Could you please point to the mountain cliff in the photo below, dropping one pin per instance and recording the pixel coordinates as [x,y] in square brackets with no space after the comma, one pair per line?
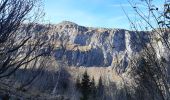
[82,46]
[102,52]
[86,46]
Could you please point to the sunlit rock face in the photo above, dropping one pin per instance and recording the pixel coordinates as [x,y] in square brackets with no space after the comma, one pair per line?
[92,47]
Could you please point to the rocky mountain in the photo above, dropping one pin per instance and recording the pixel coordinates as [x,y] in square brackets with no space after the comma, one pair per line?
[82,46]
[94,47]
[74,49]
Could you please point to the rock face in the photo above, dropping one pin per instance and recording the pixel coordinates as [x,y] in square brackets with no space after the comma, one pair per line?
[97,47]
[94,47]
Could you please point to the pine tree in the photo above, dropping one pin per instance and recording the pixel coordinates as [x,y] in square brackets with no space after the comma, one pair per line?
[93,88]
[100,89]
[85,86]
[78,84]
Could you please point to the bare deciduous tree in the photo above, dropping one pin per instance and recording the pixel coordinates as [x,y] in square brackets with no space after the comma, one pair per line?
[18,46]
[150,70]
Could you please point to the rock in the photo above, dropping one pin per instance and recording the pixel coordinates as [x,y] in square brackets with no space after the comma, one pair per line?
[86,46]
[95,47]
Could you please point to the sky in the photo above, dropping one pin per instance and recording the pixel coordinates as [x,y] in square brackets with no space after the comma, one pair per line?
[92,13]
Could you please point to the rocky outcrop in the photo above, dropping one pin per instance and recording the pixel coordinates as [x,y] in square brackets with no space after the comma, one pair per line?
[94,47]
[86,46]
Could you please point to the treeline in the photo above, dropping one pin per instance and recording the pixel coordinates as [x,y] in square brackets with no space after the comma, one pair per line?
[89,89]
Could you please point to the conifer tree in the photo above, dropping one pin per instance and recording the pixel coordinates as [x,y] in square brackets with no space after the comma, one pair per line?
[78,84]
[100,89]
[85,86]
[93,88]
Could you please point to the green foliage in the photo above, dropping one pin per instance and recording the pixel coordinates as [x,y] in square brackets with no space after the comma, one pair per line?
[86,87]
[78,84]
[100,88]
[93,88]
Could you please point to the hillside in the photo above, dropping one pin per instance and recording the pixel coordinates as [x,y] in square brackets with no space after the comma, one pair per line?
[72,50]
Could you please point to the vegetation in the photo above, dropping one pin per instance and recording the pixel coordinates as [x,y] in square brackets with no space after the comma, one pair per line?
[149,72]
[13,14]
[22,55]
[88,88]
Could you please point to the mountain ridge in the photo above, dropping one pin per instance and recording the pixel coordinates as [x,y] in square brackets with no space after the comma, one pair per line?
[89,47]
[73,23]
[95,47]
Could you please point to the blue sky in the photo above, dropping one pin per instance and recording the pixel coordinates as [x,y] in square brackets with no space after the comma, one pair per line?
[93,13]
